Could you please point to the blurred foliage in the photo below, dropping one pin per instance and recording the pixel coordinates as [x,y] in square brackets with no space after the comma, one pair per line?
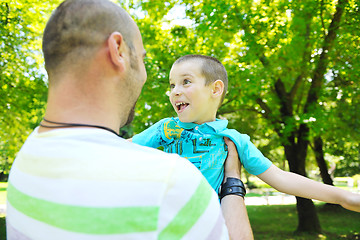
[22,82]
[259,42]
[263,43]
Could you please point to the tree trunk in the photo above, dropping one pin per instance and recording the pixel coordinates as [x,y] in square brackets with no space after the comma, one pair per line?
[324,173]
[319,155]
[307,216]
[297,140]
[308,220]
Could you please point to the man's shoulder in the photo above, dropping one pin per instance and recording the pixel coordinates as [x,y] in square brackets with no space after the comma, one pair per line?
[151,154]
[154,154]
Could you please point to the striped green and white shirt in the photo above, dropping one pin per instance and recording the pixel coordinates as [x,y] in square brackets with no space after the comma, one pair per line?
[86,183]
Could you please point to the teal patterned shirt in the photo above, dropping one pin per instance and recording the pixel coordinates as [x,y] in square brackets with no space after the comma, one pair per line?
[204,146]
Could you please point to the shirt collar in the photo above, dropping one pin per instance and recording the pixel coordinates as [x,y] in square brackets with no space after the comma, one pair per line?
[218,125]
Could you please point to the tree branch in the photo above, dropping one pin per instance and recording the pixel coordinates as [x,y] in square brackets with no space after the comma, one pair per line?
[318,76]
[305,58]
[285,101]
[238,110]
[321,15]
[267,114]
[265,107]
[228,101]
[259,48]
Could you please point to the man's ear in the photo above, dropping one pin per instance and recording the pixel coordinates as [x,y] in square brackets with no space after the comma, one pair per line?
[117,47]
[218,88]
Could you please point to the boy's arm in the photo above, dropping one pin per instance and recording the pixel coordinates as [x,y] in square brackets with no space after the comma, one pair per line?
[233,206]
[295,184]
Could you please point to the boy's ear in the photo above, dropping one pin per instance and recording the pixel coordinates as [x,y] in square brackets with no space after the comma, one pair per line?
[218,88]
[116,46]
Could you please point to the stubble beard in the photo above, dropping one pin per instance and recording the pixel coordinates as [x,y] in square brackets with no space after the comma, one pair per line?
[131,115]
[133,78]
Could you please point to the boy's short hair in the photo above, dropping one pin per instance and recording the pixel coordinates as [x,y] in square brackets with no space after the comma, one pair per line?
[211,68]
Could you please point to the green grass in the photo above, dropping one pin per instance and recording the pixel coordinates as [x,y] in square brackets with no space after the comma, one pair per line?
[3,186]
[280,221]
[2,228]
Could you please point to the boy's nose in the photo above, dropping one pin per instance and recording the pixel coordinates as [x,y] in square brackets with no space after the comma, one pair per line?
[176,91]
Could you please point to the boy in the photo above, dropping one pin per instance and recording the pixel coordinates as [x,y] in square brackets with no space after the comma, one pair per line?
[197,88]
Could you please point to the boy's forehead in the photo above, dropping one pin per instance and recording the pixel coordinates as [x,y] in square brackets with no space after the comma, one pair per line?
[186,68]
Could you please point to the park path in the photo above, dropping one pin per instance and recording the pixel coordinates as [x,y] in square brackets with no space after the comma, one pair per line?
[271,200]
[267,199]
[2,209]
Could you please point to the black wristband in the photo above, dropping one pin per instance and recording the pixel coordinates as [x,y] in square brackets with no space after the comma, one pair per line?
[232,186]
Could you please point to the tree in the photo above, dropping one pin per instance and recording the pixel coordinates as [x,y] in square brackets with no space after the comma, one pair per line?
[23,84]
[288,46]
[284,59]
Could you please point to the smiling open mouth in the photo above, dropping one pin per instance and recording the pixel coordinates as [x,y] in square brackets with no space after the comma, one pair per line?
[181,106]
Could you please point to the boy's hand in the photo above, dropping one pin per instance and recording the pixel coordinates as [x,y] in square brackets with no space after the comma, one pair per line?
[232,167]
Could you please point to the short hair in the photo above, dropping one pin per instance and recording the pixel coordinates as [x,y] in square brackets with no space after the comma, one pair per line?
[77,28]
[211,68]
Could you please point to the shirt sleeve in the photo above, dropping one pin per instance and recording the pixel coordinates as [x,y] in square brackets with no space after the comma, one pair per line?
[252,159]
[151,137]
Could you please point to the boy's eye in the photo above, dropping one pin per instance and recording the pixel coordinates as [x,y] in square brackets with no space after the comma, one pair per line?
[186,81]
[172,86]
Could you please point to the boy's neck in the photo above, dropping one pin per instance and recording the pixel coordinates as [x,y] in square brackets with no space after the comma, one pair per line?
[199,123]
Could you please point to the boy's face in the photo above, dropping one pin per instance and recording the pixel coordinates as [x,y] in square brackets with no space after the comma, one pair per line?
[189,96]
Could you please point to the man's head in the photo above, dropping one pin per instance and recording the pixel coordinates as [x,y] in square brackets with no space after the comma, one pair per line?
[198,86]
[77,28]
[95,42]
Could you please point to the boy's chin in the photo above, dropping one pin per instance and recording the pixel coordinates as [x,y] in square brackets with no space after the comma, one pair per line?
[189,120]
[184,119]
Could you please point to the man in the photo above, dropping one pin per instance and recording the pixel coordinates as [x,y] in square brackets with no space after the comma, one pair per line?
[75,178]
